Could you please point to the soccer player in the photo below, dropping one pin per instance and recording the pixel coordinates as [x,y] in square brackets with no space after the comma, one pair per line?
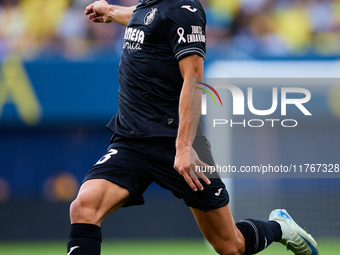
[157,136]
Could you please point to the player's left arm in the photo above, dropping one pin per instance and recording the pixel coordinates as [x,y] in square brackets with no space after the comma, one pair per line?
[186,158]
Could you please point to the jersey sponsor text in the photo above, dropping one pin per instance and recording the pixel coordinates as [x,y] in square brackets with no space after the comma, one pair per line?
[134,35]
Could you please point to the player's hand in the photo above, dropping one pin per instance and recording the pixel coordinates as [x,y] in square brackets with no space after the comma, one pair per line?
[188,165]
[98,12]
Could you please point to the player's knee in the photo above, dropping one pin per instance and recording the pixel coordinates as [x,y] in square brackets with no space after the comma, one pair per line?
[81,212]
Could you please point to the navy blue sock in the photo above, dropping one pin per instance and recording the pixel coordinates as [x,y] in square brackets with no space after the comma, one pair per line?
[84,239]
[259,234]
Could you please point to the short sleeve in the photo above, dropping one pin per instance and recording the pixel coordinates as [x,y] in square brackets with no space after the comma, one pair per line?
[185,29]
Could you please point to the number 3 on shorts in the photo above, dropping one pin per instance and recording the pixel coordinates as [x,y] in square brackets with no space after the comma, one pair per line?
[107,156]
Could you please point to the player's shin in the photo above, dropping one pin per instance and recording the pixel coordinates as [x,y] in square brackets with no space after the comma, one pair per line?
[84,239]
[258,234]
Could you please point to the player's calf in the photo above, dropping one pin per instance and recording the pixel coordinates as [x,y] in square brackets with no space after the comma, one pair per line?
[258,234]
[229,248]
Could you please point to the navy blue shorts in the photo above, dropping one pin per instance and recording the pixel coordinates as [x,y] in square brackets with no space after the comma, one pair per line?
[135,163]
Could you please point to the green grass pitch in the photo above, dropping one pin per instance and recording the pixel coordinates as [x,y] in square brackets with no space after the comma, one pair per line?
[148,247]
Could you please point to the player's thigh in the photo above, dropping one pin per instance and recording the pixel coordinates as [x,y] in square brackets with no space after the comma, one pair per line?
[96,199]
[219,229]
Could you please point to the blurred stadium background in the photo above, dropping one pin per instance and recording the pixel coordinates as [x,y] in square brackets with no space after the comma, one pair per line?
[58,89]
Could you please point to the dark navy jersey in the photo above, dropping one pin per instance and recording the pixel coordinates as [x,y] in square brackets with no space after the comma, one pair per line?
[159,34]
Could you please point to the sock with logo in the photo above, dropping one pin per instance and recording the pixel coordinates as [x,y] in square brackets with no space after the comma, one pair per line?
[84,239]
[259,234]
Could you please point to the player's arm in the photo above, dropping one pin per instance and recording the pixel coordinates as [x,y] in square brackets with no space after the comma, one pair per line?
[189,113]
[102,12]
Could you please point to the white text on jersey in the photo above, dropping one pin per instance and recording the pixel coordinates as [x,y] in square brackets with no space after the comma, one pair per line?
[134,35]
[197,35]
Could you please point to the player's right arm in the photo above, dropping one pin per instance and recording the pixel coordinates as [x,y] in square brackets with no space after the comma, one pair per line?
[102,12]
